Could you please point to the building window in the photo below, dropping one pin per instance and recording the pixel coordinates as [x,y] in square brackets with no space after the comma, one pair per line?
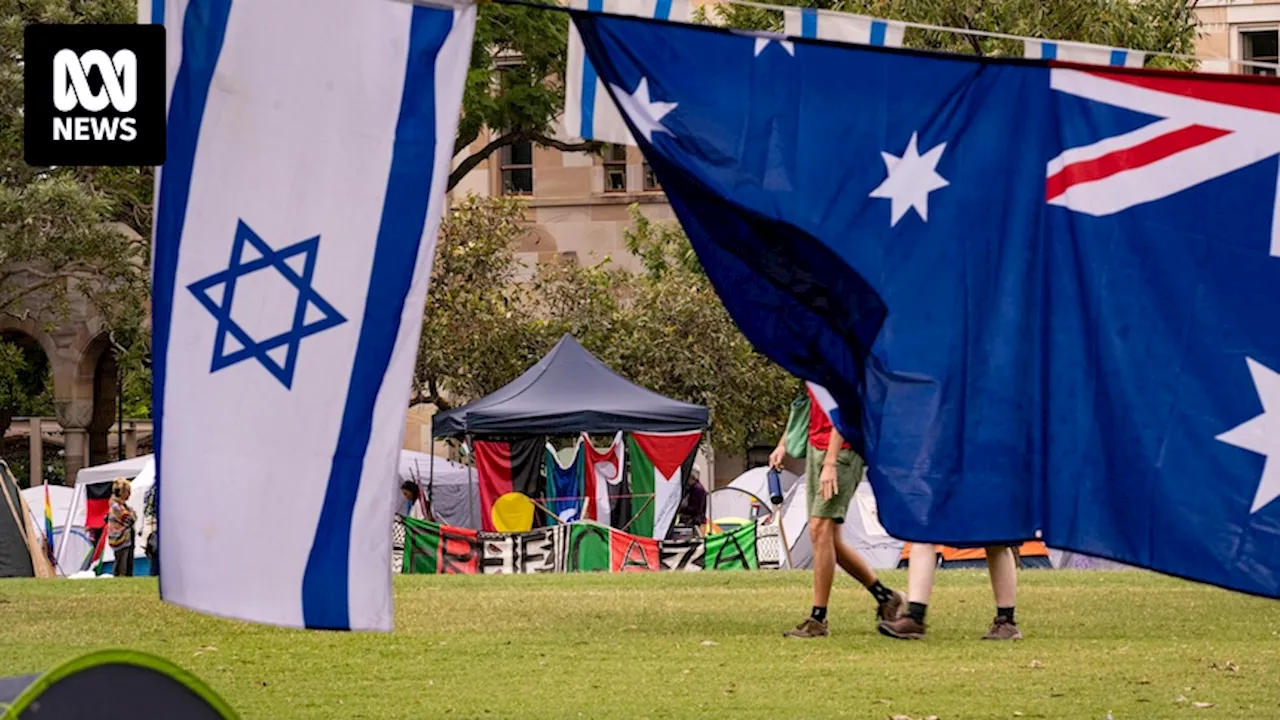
[516,162]
[1260,46]
[615,168]
[651,179]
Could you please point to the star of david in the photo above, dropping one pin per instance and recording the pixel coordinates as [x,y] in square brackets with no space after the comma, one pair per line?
[312,313]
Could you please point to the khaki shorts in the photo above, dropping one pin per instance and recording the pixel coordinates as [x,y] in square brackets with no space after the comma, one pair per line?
[849,467]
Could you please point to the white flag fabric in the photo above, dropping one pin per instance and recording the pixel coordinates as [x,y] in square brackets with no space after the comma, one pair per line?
[309,144]
[1082,53]
[841,27]
[589,113]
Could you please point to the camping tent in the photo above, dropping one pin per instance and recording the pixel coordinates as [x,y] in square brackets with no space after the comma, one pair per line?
[568,392]
[747,497]
[106,685]
[21,545]
[454,491]
[861,529]
[60,497]
[74,549]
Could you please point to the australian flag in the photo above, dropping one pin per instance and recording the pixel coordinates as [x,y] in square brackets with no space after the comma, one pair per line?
[1046,297]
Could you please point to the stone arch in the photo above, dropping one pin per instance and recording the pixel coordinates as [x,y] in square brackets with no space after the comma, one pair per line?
[74,347]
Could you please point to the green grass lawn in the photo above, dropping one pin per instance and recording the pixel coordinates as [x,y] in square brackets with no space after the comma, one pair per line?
[695,645]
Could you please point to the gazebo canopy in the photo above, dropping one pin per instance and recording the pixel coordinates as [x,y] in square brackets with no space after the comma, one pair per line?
[569,391]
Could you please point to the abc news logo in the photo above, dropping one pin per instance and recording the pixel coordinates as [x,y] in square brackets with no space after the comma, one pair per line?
[94,95]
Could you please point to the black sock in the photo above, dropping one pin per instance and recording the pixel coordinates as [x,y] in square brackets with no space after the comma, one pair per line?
[819,614]
[916,611]
[881,593]
[1006,613]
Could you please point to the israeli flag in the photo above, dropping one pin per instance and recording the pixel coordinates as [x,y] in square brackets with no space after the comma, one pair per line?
[589,114]
[842,27]
[309,147]
[1082,53]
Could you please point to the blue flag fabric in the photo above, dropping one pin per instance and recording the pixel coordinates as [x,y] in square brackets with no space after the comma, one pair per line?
[564,484]
[1043,296]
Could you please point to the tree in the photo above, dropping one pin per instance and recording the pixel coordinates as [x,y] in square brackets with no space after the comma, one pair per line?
[68,232]
[1149,25]
[488,319]
[514,86]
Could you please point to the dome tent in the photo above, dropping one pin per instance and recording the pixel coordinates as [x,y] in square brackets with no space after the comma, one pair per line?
[76,688]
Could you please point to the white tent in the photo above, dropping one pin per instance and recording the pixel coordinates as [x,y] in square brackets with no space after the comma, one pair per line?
[75,548]
[747,497]
[453,490]
[861,529]
[60,497]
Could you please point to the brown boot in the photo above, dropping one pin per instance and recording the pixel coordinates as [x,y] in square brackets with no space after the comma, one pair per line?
[810,628]
[892,608]
[903,628]
[1002,628]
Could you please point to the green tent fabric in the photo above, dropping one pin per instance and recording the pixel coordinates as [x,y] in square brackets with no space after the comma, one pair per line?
[796,436]
[732,550]
[91,686]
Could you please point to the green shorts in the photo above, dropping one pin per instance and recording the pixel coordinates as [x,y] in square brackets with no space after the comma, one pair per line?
[848,474]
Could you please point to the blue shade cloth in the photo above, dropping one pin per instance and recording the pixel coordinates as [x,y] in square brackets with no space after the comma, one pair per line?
[1043,297]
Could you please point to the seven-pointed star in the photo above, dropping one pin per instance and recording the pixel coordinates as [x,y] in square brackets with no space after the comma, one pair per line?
[312,314]
[1262,433]
[911,178]
[763,42]
[645,113]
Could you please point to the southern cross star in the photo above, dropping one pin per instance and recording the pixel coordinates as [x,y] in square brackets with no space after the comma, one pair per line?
[643,111]
[1262,434]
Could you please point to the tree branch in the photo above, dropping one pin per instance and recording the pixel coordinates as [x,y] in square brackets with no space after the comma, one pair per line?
[502,141]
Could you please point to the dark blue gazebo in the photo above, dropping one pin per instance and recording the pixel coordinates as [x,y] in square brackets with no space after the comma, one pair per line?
[568,392]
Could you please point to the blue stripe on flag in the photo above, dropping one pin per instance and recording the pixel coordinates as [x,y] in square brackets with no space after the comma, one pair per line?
[1048,51]
[808,23]
[878,28]
[662,11]
[589,78]
[325,585]
[204,28]
[157,12]
[1118,57]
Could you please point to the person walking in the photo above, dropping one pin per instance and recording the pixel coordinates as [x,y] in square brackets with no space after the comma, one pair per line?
[922,565]
[832,473]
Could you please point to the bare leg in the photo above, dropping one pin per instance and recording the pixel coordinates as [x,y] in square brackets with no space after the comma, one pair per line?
[852,562]
[921,567]
[1004,575]
[821,533]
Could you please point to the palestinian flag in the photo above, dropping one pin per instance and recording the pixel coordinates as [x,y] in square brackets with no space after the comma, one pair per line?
[564,483]
[504,467]
[436,549]
[659,464]
[732,550]
[602,481]
[97,503]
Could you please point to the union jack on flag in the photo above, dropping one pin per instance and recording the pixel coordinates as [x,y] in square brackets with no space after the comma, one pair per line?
[1200,131]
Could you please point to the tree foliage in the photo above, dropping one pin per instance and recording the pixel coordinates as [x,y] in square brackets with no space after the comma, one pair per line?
[70,233]
[488,319]
[514,86]
[1148,25]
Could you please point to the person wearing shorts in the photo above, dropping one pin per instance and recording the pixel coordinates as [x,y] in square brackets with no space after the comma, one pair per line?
[833,471]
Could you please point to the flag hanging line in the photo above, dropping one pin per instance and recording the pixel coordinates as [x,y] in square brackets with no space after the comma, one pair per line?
[999,35]
[924,26]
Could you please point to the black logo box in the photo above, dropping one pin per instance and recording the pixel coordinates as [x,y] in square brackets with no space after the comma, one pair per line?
[147,42]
